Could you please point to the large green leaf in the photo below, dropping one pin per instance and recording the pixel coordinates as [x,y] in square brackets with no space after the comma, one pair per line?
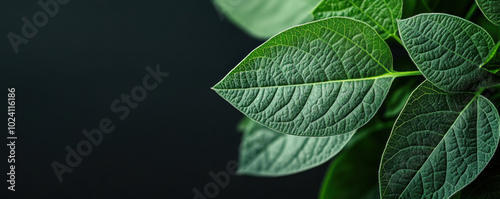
[449,51]
[265,152]
[491,9]
[265,18]
[323,78]
[380,14]
[439,144]
[353,173]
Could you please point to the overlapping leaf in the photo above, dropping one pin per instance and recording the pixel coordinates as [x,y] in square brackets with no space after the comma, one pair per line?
[265,152]
[449,51]
[439,144]
[323,78]
[491,9]
[380,14]
[263,18]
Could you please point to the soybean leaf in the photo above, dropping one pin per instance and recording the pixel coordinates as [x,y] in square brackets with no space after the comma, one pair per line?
[491,9]
[323,78]
[487,185]
[380,14]
[263,18]
[439,144]
[265,152]
[358,165]
[449,51]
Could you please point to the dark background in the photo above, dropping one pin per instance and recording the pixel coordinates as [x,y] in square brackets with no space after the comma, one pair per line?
[91,52]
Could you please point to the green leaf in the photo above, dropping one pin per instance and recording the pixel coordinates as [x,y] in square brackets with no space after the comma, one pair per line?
[323,78]
[380,14]
[353,174]
[487,185]
[491,9]
[265,152]
[449,51]
[439,144]
[263,18]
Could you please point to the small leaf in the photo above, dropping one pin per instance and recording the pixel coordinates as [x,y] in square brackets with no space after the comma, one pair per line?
[353,173]
[263,18]
[265,152]
[380,14]
[449,51]
[323,78]
[439,144]
[491,9]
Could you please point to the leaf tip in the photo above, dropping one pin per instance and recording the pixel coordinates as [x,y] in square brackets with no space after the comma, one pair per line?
[215,87]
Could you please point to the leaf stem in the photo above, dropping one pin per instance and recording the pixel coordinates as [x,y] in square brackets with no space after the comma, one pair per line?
[471,11]
[397,39]
[480,91]
[407,73]
[426,6]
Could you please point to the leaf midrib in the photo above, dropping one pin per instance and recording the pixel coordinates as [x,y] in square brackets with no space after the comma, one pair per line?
[387,75]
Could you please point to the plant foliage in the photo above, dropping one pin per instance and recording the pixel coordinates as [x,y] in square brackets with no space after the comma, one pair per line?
[311,88]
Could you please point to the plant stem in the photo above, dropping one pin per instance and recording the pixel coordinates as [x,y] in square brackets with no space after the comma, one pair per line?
[407,73]
[471,11]
[426,6]
[480,91]
[397,39]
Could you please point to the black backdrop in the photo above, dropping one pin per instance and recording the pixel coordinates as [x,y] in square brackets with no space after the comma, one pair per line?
[90,53]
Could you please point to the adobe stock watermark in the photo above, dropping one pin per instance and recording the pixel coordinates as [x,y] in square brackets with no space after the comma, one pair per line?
[120,106]
[220,180]
[29,29]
